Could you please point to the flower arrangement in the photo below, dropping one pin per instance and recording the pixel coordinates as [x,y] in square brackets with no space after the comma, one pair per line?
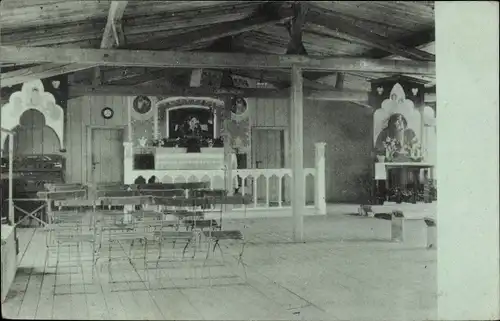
[410,151]
[413,150]
[392,146]
[183,142]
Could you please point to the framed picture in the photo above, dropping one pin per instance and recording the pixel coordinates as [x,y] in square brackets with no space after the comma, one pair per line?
[239,106]
[142,105]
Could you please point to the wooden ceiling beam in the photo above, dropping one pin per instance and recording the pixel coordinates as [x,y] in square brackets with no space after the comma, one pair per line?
[173,59]
[42,71]
[156,90]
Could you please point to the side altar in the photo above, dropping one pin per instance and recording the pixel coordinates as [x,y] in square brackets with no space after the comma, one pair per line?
[404,132]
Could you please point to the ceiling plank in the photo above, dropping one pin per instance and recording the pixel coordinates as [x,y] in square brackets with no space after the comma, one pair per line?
[369,38]
[155,90]
[185,41]
[51,69]
[192,39]
[113,57]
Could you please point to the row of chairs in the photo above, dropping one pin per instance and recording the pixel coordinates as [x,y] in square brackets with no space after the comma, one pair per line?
[98,223]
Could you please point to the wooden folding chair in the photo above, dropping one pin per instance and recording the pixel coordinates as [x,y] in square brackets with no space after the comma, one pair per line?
[215,238]
[70,228]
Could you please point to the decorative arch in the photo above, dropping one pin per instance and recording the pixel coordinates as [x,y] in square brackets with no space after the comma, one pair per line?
[33,96]
[397,103]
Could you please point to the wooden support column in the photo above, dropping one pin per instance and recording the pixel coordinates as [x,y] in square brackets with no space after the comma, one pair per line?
[319,179]
[226,115]
[11,188]
[298,179]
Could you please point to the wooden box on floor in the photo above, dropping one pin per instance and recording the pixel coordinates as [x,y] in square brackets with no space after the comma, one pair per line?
[9,258]
[412,232]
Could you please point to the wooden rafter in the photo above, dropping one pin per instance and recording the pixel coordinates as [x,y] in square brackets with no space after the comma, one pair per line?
[113,35]
[372,39]
[113,32]
[295,46]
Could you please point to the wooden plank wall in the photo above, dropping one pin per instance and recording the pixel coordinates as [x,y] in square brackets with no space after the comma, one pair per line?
[83,112]
[269,113]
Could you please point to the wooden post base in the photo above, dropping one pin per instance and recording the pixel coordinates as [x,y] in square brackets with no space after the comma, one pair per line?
[413,232]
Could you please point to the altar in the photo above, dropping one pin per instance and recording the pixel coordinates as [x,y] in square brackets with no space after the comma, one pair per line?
[179,139]
[404,142]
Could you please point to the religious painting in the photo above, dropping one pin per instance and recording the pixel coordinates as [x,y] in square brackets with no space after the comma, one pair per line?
[142,105]
[397,128]
[239,106]
[191,122]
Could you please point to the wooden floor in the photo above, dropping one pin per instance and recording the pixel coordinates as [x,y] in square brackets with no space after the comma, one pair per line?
[347,269]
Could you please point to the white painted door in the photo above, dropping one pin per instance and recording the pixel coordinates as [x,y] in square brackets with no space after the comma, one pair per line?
[107,155]
[269,152]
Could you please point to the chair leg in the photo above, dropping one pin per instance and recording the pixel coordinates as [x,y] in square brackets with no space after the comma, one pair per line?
[240,260]
[160,244]
[109,262]
[185,247]
[205,263]
[220,250]
[146,270]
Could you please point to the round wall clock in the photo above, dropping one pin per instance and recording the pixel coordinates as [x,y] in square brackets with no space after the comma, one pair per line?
[107,113]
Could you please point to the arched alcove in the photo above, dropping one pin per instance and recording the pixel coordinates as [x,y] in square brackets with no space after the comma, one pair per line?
[33,136]
[33,96]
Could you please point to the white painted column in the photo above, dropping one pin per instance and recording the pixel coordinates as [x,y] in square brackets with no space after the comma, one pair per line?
[128,162]
[129,118]
[228,152]
[319,178]
[297,153]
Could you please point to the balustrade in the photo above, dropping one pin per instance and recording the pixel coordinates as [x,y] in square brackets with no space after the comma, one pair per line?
[269,188]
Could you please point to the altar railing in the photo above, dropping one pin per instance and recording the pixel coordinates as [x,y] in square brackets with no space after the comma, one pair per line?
[269,188]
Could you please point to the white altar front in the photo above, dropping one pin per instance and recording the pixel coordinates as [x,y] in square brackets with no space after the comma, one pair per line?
[176,165]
